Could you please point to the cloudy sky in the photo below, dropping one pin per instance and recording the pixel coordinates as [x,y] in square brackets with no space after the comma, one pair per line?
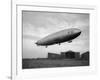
[37,25]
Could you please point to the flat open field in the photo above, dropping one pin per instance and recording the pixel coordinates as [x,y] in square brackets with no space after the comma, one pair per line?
[46,63]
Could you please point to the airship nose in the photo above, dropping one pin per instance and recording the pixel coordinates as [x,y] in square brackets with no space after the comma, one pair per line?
[77,31]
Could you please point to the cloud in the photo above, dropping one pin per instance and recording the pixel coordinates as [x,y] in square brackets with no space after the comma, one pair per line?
[30,37]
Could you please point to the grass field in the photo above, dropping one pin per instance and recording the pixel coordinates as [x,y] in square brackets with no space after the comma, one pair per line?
[46,63]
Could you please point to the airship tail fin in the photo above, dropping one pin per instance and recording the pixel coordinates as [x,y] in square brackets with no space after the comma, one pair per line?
[36,44]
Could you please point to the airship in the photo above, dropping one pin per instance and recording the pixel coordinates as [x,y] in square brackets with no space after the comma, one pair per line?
[66,35]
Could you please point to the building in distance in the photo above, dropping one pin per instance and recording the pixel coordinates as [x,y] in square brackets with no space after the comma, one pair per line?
[64,55]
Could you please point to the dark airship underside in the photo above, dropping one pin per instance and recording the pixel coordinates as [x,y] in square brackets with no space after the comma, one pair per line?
[66,35]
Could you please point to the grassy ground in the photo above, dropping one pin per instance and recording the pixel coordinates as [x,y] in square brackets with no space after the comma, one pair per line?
[46,63]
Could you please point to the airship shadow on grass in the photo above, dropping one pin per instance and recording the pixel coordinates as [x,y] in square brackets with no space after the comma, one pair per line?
[66,35]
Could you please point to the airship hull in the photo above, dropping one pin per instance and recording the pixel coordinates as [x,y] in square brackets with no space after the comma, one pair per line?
[59,37]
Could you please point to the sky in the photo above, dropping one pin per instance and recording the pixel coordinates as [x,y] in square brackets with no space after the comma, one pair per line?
[37,25]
